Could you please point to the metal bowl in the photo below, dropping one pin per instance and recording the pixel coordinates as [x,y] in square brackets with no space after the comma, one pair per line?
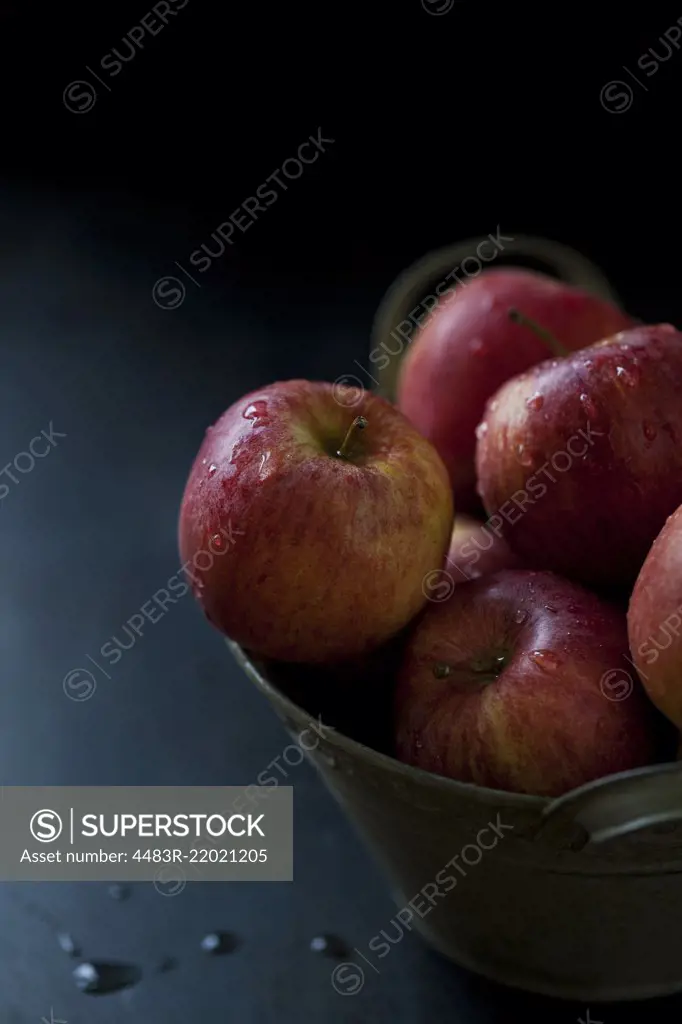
[577,898]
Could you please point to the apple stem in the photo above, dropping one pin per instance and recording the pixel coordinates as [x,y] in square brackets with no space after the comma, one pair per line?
[557,349]
[359,423]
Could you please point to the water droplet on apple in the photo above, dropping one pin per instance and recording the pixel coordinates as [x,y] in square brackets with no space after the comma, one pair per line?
[588,405]
[524,456]
[441,671]
[212,468]
[217,541]
[520,616]
[204,461]
[550,608]
[629,377]
[649,431]
[536,401]
[476,346]
[493,405]
[545,660]
[481,430]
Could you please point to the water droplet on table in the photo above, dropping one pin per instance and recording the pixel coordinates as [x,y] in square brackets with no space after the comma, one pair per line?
[68,944]
[119,892]
[328,945]
[218,943]
[100,978]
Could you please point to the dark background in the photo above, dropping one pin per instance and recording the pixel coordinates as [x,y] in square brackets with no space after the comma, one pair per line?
[444,126]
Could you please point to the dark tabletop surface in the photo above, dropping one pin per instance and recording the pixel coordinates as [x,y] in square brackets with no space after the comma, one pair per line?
[86,538]
[89,534]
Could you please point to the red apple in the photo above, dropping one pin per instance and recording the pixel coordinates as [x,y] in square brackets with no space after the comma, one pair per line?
[469,347]
[316,521]
[655,621]
[520,682]
[477,550]
[580,459]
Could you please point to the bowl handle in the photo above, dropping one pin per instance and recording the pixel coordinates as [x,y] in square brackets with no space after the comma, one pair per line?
[618,805]
[409,288]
